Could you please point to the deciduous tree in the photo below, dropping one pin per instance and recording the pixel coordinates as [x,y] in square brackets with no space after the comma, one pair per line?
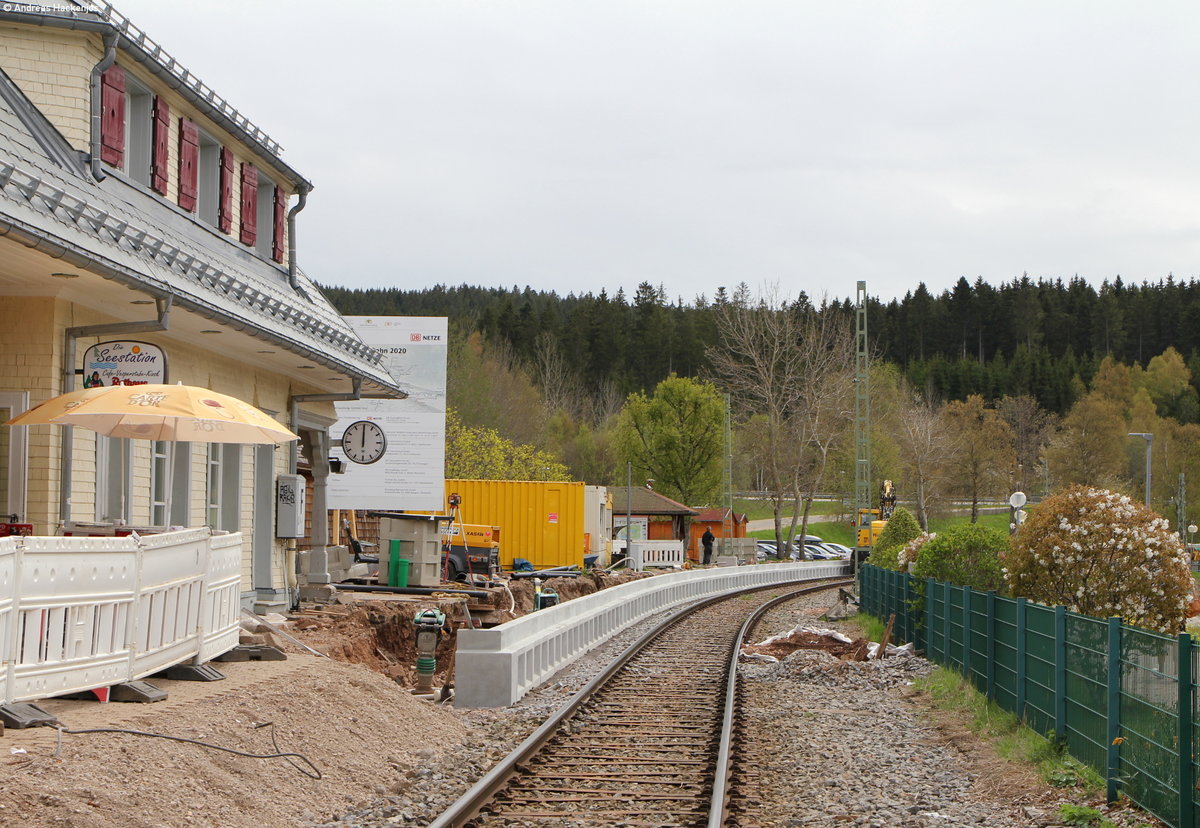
[676,437]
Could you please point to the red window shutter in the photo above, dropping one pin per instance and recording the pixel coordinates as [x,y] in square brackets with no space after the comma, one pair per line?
[112,115]
[225,205]
[277,237]
[160,149]
[249,203]
[189,164]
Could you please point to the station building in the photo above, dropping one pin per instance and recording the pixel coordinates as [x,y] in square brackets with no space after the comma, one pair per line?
[138,207]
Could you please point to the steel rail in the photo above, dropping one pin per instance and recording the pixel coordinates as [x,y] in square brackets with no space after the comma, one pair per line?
[471,803]
[717,814]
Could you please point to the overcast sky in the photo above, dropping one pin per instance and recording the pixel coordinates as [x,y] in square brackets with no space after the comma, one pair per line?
[577,145]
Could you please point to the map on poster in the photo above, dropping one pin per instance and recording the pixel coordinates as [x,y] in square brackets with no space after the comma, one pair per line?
[411,473]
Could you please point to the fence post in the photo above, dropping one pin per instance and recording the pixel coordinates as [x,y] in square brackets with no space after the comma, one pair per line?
[991,645]
[1021,602]
[966,633]
[1187,779]
[906,597]
[929,618]
[1114,707]
[946,622]
[1060,674]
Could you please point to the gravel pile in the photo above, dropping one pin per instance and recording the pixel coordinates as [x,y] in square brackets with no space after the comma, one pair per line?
[824,670]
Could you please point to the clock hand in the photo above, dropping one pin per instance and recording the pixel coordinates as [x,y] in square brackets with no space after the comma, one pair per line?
[363,438]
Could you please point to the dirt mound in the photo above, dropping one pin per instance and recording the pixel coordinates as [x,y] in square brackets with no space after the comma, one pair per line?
[781,647]
[373,734]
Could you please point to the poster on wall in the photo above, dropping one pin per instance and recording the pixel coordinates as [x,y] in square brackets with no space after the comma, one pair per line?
[123,362]
[394,451]
[639,528]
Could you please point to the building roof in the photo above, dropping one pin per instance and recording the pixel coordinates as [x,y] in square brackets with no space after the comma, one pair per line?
[100,16]
[645,502]
[129,235]
[718,515]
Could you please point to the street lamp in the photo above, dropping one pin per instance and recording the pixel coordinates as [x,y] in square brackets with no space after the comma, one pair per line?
[1191,531]
[1149,438]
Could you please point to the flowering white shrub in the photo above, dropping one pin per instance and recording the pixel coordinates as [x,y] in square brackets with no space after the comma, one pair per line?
[1101,553]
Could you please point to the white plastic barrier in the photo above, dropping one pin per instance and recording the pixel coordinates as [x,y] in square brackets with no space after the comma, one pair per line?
[496,667]
[662,554]
[79,613]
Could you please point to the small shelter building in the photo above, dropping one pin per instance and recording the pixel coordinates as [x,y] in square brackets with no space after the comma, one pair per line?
[723,522]
[651,515]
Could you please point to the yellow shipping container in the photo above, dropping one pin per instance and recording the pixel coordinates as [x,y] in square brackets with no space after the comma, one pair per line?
[540,521]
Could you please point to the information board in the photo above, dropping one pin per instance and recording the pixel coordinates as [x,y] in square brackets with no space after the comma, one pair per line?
[411,473]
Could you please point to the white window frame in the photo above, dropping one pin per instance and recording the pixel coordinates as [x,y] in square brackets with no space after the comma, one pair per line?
[265,214]
[223,502]
[208,179]
[139,130]
[180,500]
[114,479]
[14,402]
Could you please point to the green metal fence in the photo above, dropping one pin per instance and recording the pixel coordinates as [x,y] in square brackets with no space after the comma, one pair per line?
[1111,693]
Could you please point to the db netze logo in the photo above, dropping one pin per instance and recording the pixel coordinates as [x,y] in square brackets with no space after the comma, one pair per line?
[412,337]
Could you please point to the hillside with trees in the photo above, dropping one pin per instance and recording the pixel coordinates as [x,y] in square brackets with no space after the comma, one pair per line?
[1031,384]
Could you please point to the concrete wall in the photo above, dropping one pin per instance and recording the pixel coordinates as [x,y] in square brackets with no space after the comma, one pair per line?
[496,667]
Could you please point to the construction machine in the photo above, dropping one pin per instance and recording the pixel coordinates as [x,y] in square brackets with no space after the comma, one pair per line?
[871,521]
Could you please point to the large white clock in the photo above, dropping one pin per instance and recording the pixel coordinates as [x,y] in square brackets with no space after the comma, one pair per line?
[364,442]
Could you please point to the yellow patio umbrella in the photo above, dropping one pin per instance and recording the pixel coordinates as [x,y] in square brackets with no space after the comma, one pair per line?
[180,413]
[160,412]
[47,412]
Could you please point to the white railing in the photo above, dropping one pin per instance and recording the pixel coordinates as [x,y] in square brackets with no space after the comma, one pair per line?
[496,667]
[650,554]
[86,613]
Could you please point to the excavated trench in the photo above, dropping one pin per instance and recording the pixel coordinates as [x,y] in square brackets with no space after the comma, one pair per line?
[378,632]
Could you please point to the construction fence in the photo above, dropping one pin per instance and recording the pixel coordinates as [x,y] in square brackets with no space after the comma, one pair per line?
[1121,699]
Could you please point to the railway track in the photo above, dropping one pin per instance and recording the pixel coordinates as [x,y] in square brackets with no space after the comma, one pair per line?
[648,742]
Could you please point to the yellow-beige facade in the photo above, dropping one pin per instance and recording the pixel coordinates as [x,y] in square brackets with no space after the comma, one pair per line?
[95,247]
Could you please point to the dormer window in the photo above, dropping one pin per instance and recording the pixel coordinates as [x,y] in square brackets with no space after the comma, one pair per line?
[126,120]
[266,214]
[139,102]
[209,179]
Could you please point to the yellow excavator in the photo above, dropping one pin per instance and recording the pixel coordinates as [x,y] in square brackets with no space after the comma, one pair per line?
[871,521]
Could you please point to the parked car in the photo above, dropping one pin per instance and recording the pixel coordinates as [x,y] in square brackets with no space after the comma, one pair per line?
[767,549]
[814,552]
[838,550]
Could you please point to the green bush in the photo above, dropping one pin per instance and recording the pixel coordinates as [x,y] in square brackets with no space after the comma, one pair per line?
[1101,553]
[966,555]
[901,528]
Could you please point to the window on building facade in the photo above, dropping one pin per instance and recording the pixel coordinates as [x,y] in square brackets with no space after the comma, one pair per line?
[114,479]
[208,179]
[224,486]
[170,501]
[139,122]
[266,215]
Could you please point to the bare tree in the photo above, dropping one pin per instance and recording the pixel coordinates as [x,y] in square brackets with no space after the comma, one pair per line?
[986,459]
[793,365]
[926,450]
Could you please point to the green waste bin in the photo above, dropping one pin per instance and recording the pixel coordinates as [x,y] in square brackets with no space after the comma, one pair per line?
[397,566]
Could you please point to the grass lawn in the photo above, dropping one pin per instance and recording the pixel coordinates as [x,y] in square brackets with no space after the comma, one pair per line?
[761,509]
[842,532]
